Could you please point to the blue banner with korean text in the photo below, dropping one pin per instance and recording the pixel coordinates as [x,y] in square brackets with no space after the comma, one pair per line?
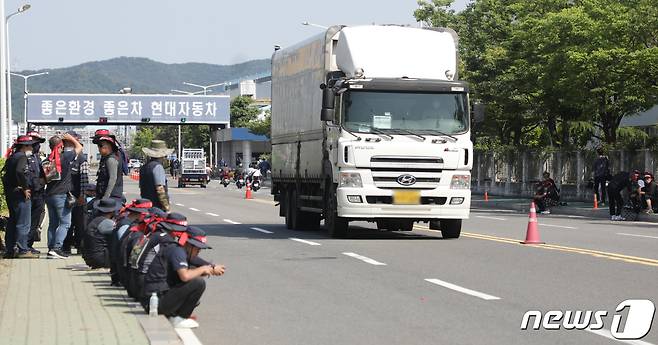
[124,109]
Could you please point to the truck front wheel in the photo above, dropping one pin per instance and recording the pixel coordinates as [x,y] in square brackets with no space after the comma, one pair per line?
[451,228]
[336,226]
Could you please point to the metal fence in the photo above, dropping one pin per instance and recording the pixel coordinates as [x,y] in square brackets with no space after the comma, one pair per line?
[516,173]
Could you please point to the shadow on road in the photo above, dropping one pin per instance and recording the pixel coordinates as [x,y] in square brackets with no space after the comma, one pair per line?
[279,232]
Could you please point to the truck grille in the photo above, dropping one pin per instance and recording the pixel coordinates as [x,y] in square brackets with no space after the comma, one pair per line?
[388,200]
[386,170]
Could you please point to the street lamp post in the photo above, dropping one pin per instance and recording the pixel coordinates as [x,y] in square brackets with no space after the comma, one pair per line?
[315,25]
[25,92]
[205,92]
[7,70]
[179,126]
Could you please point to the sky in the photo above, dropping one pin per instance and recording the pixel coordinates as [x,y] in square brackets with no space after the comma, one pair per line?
[61,33]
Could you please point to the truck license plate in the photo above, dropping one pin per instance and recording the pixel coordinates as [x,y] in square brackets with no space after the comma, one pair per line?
[406,197]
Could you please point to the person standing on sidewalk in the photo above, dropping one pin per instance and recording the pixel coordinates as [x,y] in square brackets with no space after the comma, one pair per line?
[38,184]
[601,175]
[109,180]
[16,182]
[79,180]
[152,178]
[617,184]
[57,193]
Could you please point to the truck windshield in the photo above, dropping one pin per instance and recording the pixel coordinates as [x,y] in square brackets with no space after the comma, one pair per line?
[416,112]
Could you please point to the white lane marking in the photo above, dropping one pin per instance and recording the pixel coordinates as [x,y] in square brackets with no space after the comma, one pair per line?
[557,226]
[194,209]
[305,241]
[187,336]
[464,290]
[262,230]
[365,259]
[232,222]
[636,235]
[177,204]
[492,218]
[212,214]
[606,334]
[577,217]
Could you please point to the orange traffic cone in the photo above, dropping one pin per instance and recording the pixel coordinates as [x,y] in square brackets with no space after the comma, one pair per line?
[486,196]
[596,202]
[532,233]
[248,192]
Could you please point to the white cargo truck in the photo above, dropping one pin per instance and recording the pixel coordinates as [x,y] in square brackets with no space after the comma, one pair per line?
[370,123]
[193,168]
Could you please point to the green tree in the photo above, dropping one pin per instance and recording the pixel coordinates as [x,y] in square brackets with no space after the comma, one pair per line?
[262,127]
[243,111]
[142,139]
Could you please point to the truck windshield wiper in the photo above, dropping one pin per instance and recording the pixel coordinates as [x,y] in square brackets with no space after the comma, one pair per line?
[406,131]
[377,131]
[358,138]
[435,131]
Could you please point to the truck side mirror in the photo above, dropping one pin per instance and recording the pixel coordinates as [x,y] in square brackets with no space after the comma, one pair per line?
[327,114]
[478,112]
[328,101]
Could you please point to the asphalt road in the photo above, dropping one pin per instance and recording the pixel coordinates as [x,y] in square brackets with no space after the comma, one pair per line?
[302,287]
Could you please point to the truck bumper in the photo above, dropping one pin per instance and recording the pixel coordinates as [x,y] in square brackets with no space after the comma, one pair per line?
[381,206]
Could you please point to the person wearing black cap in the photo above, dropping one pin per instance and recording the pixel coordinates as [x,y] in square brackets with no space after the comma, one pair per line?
[172,276]
[109,179]
[58,191]
[79,181]
[128,216]
[38,185]
[136,234]
[16,182]
[97,237]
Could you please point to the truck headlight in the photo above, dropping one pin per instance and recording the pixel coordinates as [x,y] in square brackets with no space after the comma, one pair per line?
[352,180]
[460,182]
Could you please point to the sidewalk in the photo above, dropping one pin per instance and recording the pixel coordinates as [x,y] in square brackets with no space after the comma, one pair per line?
[52,301]
[571,209]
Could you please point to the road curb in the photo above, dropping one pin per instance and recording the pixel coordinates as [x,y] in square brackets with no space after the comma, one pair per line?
[600,213]
[159,330]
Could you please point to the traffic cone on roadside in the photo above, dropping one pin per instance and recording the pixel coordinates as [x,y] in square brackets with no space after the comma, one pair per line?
[486,196]
[532,233]
[596,202]
[248,191]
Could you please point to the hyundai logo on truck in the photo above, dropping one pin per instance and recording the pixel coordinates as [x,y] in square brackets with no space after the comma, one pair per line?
[406,180]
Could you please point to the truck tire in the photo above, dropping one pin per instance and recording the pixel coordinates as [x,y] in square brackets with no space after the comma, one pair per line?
[336,226]
[451,228]
[406,225]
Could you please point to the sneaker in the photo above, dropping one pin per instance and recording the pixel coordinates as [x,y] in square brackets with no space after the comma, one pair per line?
[56,254]
[545,212]
[614,218]
[34,251]
[620,218]
[179,322]
[9,255]
[27,254]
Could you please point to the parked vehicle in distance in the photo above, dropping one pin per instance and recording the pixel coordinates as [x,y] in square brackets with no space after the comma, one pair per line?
[134,164]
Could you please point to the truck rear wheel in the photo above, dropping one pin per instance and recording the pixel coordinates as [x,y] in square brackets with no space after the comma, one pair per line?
[288,208]
[451,228]
[336,226]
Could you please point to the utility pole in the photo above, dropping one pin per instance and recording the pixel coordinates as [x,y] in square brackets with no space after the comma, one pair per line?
[4,130]
[205,92]
[25,92]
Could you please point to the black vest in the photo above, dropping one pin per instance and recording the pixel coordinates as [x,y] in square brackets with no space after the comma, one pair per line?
[9,175]
[157,277]
[36,173]
[96,245]
[103,179]
[147,183]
